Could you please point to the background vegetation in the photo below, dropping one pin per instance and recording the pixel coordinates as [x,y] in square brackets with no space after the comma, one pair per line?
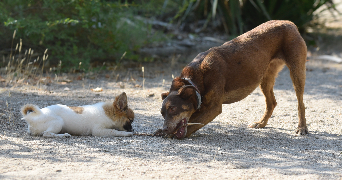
[87,31]
[239,16]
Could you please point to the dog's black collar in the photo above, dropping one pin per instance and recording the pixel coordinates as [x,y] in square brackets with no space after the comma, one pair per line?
[198,94]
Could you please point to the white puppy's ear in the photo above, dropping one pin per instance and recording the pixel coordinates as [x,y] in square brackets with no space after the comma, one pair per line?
[121,101]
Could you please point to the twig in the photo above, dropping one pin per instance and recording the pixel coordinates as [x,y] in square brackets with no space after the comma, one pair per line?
[143,134]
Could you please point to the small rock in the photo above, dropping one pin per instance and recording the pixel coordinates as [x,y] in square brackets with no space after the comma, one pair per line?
[150,95]
[122,86]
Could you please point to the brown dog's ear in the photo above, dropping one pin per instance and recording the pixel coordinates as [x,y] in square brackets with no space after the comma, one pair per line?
[186,92]
[121,101]
[189,93]
[164,95]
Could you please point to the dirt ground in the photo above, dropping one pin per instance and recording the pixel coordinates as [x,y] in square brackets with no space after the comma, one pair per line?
[224,149]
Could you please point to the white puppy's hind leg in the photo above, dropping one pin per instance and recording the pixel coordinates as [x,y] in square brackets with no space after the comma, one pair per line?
[51,135]
[101,132]
[54,128]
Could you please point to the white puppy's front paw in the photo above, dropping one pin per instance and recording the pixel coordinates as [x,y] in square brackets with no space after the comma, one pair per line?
[48,134]
[128,134]
[66,135]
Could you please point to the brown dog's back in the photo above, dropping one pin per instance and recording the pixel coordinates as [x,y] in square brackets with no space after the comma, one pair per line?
[248,58]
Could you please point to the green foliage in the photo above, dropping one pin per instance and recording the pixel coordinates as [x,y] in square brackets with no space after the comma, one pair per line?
[238,16]
[301,12]
[76,31]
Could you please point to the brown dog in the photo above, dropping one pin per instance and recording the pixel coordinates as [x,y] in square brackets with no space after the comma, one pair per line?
[229,73]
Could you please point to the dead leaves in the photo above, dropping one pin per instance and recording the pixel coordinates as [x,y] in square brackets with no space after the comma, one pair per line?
[97,89]
[2,79]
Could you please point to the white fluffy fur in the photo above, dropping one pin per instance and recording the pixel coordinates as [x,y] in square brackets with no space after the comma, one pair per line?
[61,121]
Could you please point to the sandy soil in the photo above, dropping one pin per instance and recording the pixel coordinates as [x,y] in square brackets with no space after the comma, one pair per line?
[224,149]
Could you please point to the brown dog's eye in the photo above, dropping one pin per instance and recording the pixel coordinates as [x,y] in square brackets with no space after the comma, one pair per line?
[172,109]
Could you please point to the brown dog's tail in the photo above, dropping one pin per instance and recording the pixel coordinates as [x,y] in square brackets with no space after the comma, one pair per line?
[30,108]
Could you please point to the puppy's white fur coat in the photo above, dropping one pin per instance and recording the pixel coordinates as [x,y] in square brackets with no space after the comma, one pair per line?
[101,119]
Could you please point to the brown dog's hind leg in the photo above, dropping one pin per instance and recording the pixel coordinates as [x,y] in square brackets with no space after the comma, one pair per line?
[266,87]
[295,61]
[298,78]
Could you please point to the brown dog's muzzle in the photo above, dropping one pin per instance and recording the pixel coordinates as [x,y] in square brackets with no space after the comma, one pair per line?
[179,131]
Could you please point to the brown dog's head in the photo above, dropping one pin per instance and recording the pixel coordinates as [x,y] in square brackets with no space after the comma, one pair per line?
[177,108]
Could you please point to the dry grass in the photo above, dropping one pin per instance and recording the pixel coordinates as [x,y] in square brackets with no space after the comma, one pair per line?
[23,68]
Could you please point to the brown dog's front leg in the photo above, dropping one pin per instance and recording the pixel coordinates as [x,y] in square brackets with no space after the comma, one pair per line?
[162,133]
[159,132]
[204,117]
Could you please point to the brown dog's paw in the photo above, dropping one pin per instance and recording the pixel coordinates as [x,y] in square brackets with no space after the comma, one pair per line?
[302,131]
[256,125]
[253,125]
[159,132]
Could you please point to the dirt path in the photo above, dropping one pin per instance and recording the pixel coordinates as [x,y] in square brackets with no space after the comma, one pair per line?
[224,149]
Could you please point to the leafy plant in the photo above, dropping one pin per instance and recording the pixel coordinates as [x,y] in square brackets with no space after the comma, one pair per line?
[76,31]
[238,16]
[301,12]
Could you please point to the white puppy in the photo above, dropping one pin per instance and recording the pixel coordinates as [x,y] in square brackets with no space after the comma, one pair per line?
[101,119]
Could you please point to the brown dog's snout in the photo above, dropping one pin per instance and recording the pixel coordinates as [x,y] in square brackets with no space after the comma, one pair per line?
[166,129]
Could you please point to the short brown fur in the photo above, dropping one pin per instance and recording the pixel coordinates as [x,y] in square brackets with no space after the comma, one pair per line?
[229,73]
[25,109]
[117,115]
[76,109]
[119,111]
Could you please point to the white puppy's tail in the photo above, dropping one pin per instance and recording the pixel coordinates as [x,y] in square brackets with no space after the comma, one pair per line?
[30,108]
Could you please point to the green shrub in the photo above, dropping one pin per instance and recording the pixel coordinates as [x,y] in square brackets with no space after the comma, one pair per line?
[238,16]
[84,31]
[75,31]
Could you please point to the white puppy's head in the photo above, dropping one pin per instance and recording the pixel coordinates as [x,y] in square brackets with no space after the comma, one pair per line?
[120,113]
